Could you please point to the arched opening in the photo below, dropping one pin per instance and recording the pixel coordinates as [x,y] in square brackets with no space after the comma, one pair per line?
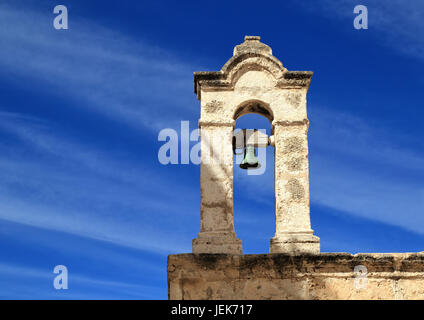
[253,189]
[254,106]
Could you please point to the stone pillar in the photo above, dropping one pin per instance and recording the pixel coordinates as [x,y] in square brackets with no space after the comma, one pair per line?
[217,233]
[293,233]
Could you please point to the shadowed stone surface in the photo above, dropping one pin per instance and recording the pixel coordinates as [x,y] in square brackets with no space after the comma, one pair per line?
[285,276]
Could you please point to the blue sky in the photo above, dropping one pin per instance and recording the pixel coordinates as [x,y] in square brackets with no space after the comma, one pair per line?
[81,109]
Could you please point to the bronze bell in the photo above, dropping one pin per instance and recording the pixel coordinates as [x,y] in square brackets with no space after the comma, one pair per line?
[250,160]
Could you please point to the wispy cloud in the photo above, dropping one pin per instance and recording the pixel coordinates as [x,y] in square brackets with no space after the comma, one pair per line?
[382,179]
[123,78]
[78,283]
[398,23]
[87,192]
[346,134]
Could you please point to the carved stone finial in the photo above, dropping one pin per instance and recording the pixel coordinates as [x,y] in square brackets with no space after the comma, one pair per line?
[252,44]
[247,38]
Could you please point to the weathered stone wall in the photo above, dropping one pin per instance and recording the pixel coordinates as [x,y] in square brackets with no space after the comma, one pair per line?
[284,276]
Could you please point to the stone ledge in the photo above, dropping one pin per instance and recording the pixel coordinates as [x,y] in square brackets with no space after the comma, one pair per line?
[284,276]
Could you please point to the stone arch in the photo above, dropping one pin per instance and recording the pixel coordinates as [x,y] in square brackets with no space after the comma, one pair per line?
[254,106]
[235,69]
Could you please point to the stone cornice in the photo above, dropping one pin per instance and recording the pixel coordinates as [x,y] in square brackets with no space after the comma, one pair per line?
[287,123]
[253,53]
[203,123]
[216,80]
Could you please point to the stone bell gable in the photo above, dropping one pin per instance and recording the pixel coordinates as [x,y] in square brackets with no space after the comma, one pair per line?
[254,81]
